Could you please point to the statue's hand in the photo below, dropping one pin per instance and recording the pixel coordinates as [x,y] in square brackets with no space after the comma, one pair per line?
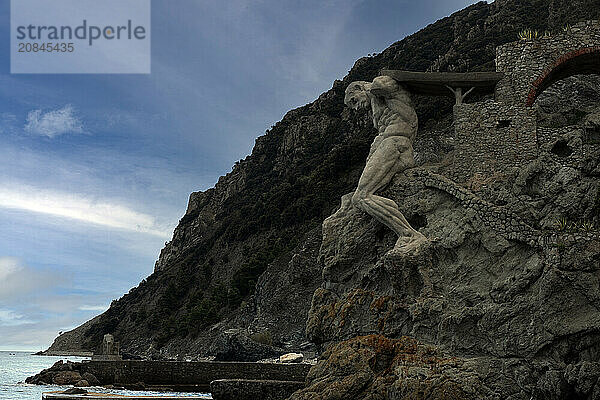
[383,86]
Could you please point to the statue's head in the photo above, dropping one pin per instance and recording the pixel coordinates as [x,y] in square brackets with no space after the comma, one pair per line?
[357,96]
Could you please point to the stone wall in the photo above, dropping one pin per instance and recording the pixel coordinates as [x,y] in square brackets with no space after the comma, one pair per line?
[501,219]
[177,373]
[491,137]
[531,65]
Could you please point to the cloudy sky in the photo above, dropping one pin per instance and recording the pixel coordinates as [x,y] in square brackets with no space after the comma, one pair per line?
[95,170]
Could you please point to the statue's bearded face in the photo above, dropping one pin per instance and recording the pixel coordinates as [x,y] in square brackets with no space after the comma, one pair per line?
[356,96]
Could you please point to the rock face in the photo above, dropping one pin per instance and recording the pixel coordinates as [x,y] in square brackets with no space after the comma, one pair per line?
[508,286]
[246,253]
[505,287]
[239,347]
[74,342]
[375,367]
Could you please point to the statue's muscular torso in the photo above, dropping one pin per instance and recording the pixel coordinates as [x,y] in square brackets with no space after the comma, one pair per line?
[393,117]
[393,113]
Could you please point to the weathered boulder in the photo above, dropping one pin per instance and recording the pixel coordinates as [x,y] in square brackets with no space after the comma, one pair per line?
[291,358]
[66,378]
[135,386]
[75,390]
[91,378]
[61,373]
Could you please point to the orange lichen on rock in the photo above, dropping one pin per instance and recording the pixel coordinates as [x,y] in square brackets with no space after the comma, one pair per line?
[354,298]
[401,352]
[375,367]
[380,302]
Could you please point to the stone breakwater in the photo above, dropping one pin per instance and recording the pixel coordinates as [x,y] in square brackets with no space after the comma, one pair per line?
[177,375]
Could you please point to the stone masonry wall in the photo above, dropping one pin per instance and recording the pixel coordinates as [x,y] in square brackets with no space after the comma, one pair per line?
[528,63]
[491,137]
[501,219]
[189,373]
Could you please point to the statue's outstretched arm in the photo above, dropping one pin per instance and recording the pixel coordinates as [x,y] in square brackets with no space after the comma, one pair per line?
[384,86]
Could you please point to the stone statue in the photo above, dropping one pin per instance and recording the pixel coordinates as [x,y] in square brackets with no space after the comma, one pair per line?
[108,344]
[110,350]
[391,152]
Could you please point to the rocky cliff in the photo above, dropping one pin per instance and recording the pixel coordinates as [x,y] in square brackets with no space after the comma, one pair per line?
[507,294]
[248,255]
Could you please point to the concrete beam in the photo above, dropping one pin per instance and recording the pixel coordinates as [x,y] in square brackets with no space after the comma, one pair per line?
[437,83]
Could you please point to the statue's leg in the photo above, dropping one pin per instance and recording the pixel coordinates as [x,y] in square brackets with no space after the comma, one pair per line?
[393,155]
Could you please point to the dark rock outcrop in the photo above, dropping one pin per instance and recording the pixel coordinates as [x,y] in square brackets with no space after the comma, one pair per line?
[239,347]
[90,378]
[63,373]
[504,285]
[375,367]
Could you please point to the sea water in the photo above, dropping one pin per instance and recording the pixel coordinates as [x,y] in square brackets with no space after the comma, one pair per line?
[16,366]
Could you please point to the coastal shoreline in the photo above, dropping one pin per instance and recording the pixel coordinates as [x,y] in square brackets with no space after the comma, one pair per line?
[63,353]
